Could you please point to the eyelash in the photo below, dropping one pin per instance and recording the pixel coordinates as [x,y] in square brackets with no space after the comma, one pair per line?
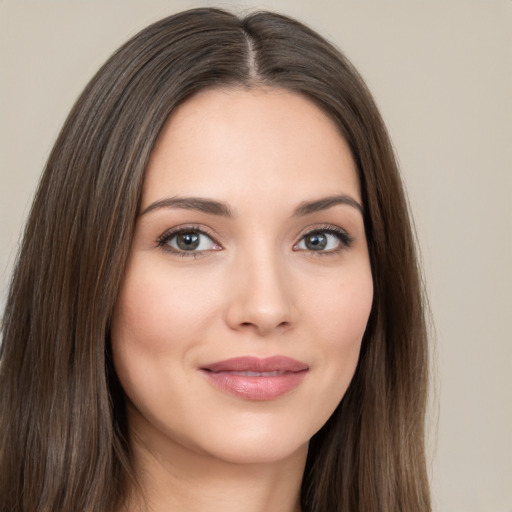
[345,240]
[163,241]
[343,237]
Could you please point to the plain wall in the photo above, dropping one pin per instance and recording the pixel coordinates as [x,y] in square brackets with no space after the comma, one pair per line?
[441,73]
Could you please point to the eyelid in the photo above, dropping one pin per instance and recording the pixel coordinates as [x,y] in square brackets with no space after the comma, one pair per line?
[162,241]
[345,239]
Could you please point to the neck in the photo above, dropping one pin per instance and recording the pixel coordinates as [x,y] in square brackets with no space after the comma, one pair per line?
[177,479]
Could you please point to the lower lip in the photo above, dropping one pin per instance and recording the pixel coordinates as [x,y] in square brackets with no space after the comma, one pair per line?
[256,388]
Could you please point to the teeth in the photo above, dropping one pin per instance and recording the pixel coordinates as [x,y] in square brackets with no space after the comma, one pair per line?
[258,374]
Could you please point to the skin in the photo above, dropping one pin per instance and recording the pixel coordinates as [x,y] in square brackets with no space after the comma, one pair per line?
[252,287]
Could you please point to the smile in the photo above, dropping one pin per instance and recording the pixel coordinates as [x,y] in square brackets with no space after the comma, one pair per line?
[252,378]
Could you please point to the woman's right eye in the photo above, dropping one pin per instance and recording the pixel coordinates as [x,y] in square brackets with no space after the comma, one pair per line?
[188,242]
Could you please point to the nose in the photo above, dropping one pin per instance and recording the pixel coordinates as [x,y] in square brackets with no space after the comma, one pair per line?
[261,298]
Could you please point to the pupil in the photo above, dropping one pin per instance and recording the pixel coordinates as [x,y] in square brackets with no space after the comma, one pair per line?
[188,241]
[316,242]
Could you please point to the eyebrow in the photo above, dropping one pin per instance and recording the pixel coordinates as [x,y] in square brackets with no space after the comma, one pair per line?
[309,207]
[192,203]
[213,207]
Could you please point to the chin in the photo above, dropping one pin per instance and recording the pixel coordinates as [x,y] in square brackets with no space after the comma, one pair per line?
[258,451]
[258,440]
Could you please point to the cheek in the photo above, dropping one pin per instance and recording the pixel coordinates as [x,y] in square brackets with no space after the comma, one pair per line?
[159,321]
[339,315]
[334,316]
[355,303]
[153,310]
[342,305]
[148,332]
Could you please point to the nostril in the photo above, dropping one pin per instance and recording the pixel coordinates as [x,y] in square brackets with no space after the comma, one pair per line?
[264,327]
[260,312]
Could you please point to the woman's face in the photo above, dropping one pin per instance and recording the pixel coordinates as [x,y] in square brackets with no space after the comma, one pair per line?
[248,288]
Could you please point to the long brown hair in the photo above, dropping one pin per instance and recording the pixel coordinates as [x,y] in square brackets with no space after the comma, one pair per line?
[62,424]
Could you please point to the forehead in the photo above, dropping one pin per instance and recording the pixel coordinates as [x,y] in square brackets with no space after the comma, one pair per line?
[233,143]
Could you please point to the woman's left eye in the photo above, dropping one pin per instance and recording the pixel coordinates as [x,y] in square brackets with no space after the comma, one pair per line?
[188,241]
[324,241]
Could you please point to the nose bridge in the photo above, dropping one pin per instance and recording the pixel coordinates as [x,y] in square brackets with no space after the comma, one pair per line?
[262,299]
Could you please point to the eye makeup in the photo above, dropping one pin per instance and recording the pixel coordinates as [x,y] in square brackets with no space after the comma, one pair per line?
[324,240]
[197,241]
[188,241]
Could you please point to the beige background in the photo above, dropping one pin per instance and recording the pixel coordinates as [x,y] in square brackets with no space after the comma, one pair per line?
[442,75]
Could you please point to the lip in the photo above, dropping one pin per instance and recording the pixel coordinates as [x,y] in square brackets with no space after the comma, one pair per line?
[254,378]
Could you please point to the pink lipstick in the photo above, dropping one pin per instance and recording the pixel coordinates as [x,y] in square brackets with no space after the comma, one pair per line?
[253,378]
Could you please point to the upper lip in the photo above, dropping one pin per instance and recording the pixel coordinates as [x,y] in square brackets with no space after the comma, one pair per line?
[257,364]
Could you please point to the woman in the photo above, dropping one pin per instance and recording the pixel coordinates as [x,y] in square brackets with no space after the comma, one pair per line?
[217,302]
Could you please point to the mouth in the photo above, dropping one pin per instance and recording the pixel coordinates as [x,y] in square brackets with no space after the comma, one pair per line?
[258,379]
[255,374]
